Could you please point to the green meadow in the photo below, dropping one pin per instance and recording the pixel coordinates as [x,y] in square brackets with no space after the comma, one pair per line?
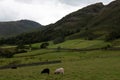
[79,43]
[82,65]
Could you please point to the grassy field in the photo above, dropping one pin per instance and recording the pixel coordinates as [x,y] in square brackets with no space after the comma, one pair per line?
[93,65]
[83,65]
[79,43]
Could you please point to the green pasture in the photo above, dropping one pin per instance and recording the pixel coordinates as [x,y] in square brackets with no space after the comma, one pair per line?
[92,65]
[82,65]
[79,43]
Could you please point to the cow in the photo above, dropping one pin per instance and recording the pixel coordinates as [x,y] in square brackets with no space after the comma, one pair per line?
[45,71]
[59,71]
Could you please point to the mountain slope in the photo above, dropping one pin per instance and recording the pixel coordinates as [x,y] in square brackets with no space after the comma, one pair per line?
[75,21]
[12,28]
[96,21]
[104,25]
[108,19]
[91,22]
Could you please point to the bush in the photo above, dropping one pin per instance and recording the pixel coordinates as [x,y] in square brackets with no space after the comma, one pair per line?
[21,49]
[44,45]
[112,36]
[58,48]
[107,47]
[20,46]
[6,53]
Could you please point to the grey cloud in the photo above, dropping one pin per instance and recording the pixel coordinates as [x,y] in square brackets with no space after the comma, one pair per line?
[68,2]
[7,14]
[86,2]
[45,12]
[37,1]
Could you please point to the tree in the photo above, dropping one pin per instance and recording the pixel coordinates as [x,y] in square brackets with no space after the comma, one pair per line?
[6,53]
[21,48]
[112,36]
[44,45]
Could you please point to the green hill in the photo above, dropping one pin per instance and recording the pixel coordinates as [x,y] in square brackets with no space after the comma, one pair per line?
[96,21]
[78,19]
[104,25]
[91,22]
[75,21]
[107,22]
[12,28]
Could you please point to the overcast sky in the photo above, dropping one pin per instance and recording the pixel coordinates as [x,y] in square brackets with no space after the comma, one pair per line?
[42,11]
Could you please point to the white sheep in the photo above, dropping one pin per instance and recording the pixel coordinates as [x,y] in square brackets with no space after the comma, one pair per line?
[59,71]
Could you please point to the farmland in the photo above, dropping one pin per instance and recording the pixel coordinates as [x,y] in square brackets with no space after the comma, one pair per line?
[82,65]
[86,42]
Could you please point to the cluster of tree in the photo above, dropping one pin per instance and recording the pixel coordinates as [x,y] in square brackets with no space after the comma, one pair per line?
[6,53]
[44,45]
[22,48]
[26,38]
[112,36]
[40,36]
[9,52]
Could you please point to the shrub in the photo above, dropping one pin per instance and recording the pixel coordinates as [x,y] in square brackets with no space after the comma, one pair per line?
[21,51]
[112,36]
[6,53]
[21,48]
[107,47]
[44,45]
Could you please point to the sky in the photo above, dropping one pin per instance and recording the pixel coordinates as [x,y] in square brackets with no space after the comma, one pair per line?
[43,11]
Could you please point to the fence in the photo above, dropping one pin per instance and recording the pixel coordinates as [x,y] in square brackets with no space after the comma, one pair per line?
[31,64]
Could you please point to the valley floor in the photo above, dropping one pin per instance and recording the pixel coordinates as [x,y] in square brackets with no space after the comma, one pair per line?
[83,65]
[79,65]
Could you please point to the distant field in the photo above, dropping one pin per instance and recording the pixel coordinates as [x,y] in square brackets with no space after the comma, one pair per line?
[76,43]
[6,46]
[24,58]
[79,43]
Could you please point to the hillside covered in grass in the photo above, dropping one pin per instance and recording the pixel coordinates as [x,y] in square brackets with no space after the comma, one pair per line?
[13,28]
[99,64]
[96,21]
[90,65]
